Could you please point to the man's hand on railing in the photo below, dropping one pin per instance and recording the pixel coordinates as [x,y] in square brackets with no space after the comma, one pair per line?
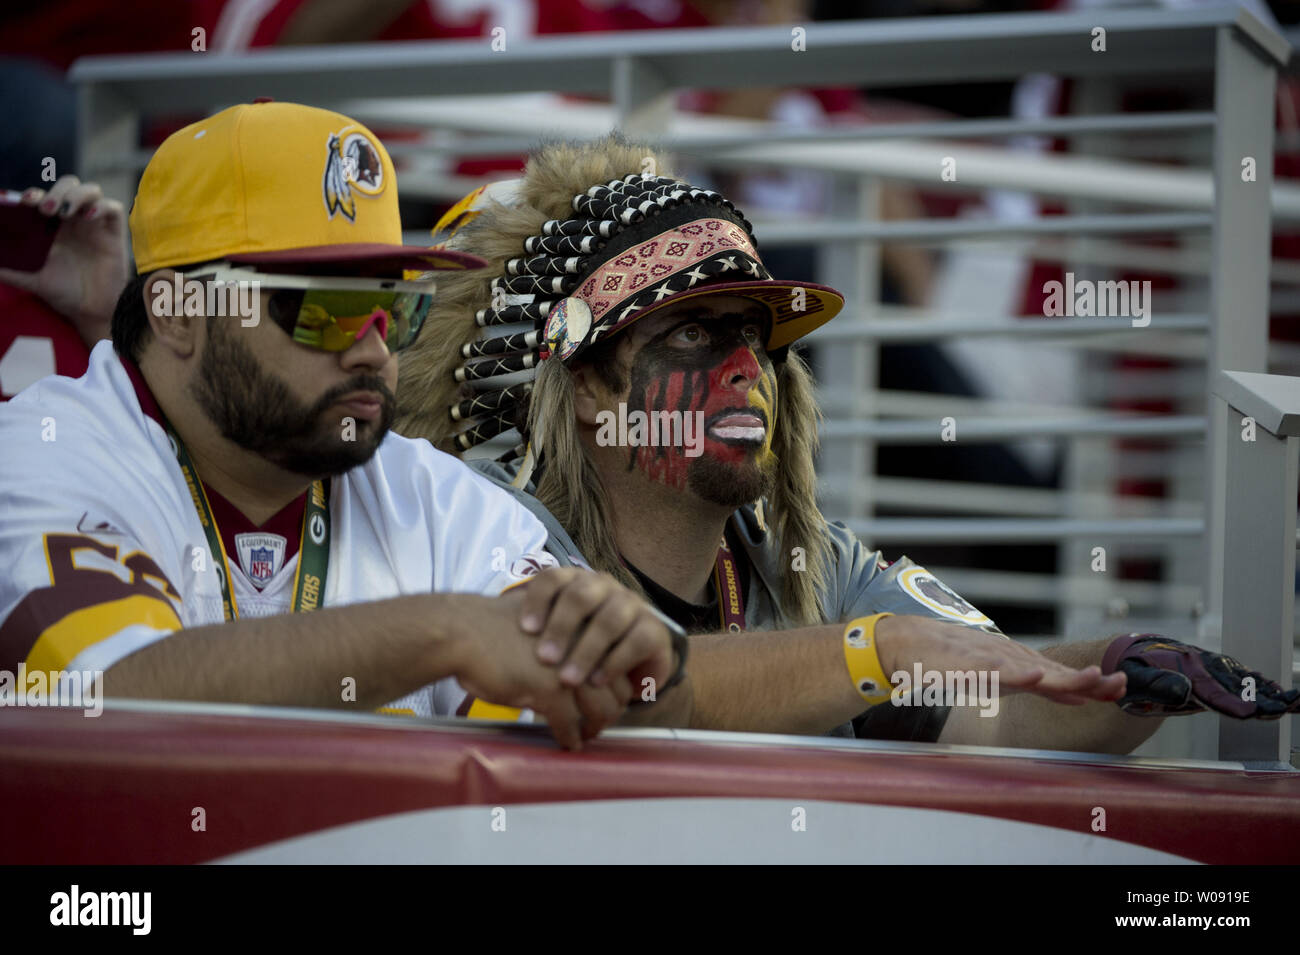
[944,646]
[597,631]
[570,644]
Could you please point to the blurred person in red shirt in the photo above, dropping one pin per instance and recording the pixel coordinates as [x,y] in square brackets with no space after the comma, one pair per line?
[50,318]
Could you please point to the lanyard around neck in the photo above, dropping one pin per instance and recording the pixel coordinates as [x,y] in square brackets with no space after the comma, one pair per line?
[313,548]
[726,584]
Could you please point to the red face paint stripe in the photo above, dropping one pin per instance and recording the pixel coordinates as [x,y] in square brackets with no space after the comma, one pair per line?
[651,402]
[739,362]
[676,389]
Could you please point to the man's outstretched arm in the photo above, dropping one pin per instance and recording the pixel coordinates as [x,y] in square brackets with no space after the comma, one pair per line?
[1033,722]
[797,681]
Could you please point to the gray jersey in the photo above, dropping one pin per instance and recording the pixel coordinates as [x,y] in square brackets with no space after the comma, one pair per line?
[862,582]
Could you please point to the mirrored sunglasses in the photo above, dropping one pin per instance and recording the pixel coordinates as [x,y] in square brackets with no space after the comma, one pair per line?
[330,313]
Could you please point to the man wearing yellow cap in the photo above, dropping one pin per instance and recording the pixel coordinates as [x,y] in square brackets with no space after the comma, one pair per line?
[225,467]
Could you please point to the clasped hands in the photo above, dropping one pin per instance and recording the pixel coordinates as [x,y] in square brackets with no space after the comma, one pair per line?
[573,645]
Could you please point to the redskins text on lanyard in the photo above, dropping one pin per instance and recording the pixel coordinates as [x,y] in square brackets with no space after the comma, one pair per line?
[726,584]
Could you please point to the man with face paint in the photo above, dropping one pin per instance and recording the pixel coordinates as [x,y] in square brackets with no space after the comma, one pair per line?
[628,328]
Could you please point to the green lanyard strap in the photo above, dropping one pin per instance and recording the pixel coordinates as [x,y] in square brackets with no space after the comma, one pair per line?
[313,547]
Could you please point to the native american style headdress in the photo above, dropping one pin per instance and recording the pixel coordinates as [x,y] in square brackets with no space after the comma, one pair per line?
[580,247]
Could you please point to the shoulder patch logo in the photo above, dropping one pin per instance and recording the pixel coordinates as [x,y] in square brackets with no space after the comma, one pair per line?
[531,564]
[927,590]
[352,165]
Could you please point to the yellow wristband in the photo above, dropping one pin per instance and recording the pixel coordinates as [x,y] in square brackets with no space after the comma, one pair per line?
[863,661]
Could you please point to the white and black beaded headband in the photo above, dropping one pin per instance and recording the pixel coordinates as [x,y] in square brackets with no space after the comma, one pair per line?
[631,244]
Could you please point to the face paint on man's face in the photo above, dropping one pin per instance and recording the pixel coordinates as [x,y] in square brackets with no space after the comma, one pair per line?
[718,368]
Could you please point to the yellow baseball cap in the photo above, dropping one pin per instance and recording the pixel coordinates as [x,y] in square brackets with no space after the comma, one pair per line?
[281,187]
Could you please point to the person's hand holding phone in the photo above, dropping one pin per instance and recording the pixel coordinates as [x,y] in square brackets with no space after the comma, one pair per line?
[85,268]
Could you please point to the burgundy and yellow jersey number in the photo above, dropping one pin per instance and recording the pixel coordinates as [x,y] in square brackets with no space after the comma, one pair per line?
[85,604]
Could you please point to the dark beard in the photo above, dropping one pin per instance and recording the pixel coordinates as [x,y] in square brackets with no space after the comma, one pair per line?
[255,409]
[730,485]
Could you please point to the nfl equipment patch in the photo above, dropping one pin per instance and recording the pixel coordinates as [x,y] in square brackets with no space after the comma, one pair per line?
[260,556]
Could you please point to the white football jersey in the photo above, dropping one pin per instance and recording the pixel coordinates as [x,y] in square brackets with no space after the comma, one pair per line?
[102,551]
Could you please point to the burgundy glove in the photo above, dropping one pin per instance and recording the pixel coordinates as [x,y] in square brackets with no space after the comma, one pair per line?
[1169,678]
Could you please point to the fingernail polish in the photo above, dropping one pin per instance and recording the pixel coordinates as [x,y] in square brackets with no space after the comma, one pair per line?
[530,623]
[47,206]
[570,674]
[548,653]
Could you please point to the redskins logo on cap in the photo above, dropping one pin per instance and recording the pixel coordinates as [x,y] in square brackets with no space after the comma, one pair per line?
[353,164]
